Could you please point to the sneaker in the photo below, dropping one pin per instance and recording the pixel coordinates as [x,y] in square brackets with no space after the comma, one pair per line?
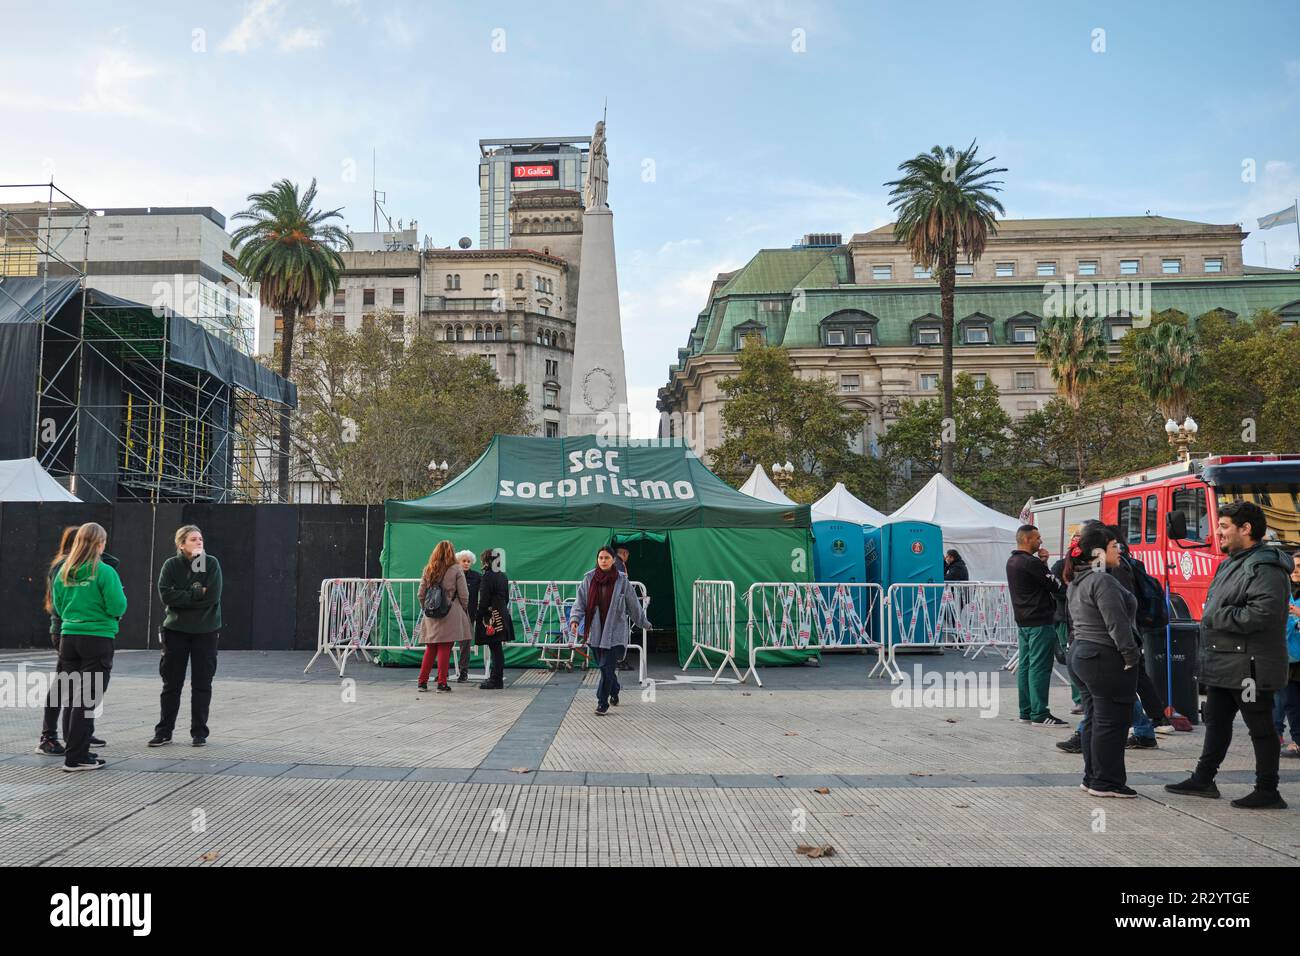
[613,700]
[96,742]
[1083,786]
[422,688]
[1072,746]
[1259,799]
[86,764]
[199,741]
[1023,720]
[602,711]
[1140,743]
[1076,710]
[491,685]
[1123,793]
[463,677]
[1055,723]
[1192,788]
[445,688]
[159,741]
[50,747]
[1165,728]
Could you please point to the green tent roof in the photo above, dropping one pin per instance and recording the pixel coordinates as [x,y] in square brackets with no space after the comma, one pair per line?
[583,481]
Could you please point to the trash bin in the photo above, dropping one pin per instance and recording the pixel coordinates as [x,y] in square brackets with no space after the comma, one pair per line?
[1183,650]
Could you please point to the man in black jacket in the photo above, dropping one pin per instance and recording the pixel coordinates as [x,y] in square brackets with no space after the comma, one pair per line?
[1033,599]
[1243,654]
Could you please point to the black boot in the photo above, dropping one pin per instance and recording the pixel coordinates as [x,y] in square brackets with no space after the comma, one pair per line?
[1191,787]
[1259,799]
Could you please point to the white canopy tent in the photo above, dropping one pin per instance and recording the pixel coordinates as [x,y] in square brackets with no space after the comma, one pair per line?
[23,479]
[840,504]
[759,486]
[983,537]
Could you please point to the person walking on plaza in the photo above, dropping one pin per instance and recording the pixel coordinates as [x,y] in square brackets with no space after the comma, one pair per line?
[1033,600]
[621,555]
[604,612]
[954,568]
[493,627]
[1243,653]
[189,585]
[472,579]
[89,601]
[1103,660]
[445,617]
[1287,708]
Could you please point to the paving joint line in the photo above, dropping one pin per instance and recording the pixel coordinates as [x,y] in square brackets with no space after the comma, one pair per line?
[1218,826]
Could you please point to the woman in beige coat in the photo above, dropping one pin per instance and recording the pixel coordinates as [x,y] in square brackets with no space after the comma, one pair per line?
[438,634]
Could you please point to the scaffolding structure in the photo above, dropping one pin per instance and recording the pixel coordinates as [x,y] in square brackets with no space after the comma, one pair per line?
[129,405]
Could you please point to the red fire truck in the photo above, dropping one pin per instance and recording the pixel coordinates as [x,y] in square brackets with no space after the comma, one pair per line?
[1167,515]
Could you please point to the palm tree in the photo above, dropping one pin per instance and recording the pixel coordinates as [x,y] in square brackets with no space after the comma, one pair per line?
[291,249]
[1166,359]
[945,208]
[1074,347]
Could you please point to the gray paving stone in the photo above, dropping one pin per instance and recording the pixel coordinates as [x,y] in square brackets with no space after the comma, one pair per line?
[440,774]
[559,778]
[316,771]
[501,776]
[687,780]
[810,781]
[377,773]
[746,781]
[251,769]
[199,766]
[141,763]
[618,779]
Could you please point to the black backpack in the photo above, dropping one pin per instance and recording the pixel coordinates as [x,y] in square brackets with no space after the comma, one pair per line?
[436,603]
[1152,610]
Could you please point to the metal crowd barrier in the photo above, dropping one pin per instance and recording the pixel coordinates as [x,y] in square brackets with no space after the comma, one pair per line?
[974,616]
[713,624]
[828,615]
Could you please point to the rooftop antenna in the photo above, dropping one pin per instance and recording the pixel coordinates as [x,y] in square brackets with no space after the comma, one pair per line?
[379,198]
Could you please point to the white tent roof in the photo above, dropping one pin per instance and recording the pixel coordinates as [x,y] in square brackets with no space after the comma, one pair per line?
[23,479]
[759,486]
[840,504]
[983,537]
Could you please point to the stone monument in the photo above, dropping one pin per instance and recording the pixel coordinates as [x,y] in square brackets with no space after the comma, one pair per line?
[598,392]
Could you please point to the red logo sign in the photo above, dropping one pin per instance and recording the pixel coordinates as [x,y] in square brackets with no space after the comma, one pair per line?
[917,547]
[533,171]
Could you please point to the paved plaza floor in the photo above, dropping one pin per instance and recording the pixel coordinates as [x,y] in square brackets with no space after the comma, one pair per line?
[305,769]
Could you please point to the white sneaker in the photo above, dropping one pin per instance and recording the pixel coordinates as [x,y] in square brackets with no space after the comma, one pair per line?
[1166,729]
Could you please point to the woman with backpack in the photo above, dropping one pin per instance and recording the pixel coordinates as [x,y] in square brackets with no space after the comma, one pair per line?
[444,618]
[88,598]
[492,623]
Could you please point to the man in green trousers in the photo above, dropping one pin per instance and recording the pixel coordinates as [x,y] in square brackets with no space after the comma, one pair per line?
[1034,590]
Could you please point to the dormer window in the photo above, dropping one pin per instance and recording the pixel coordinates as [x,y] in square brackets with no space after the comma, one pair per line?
[849,327]
[1022,329]
[749,332]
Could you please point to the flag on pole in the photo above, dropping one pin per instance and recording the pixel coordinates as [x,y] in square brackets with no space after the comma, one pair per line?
[1282,218]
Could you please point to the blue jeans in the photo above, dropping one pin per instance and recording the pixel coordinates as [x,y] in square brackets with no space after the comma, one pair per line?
[1286,709]
[608,686]
[1142,726]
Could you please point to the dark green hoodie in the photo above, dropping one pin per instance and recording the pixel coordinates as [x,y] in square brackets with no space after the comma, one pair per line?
[188,609]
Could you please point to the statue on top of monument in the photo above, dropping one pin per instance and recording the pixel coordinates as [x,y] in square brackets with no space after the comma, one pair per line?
[597,190]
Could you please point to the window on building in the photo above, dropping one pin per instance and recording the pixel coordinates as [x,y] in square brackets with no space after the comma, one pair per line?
[448,287]
[1024,381]
[367,296]
[850,383]
[862,337]
[771,305]
[515,333]
[491,359]
[834,336]
[339,320]
[882,273]
[1171,267]
[552,367]
[519,280]
[1045,269]
[1119,328]
[965,270]
[545,310]
[399,297]
[1087,267]
[920,272]
[499,334]
[1213,265]
[980,379]
[397,325]
[1153,517]
[552,429]
[929,381]
[340,298]
[977,335]
[1024,334]
[748,335]
[1129,267]
[478,333]
[1191,502]
[1129,518]
[551,398]
[1004,270]
[928,335]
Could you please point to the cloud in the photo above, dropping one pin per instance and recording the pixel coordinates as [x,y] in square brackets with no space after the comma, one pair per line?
[675,245]
[263,23]
[302,39]
[398,31]
[733,23]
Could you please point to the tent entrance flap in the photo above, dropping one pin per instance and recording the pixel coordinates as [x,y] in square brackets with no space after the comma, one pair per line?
[649,560]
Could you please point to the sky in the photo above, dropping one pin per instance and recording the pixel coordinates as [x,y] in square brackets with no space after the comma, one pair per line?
[734,125]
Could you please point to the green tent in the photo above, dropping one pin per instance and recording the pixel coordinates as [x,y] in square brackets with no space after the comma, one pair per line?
[549,503]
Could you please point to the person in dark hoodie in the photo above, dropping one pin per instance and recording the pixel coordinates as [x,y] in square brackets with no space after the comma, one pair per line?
[472,581]
[190,587]
[954,568]
[1033,600]
[1104,659]
[493,626]
[1062,623]
[1243,654]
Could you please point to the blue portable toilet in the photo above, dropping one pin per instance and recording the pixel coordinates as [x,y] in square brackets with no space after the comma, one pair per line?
[838,554]
[906,552]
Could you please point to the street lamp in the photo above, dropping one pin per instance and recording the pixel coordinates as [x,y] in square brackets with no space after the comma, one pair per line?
[1182,436]
[783,474]
[438,472]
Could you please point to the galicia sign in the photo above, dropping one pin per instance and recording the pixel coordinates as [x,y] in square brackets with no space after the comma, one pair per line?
[533,171]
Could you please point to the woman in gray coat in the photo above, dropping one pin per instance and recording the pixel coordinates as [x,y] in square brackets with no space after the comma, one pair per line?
[437,634]
[604,612]
[1103,659]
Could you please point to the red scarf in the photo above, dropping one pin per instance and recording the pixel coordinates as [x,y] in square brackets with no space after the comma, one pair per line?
[599,594]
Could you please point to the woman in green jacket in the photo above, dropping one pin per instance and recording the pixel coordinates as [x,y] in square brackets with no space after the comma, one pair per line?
[88,598]
[190,587]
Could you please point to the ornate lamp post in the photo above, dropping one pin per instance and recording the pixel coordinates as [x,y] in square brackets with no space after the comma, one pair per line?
[783,474]
[438,473]
[1182,436]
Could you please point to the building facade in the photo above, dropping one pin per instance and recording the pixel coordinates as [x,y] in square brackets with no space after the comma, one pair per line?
[864,316]
[509,167]
[177,258]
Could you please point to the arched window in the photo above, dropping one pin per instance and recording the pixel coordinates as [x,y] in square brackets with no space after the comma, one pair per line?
[519,280]
[456,281]
[561,340]
[496,280]
[515,333]
[449,285]
[501,335]
[487,280]
[447,333]
[479,334]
